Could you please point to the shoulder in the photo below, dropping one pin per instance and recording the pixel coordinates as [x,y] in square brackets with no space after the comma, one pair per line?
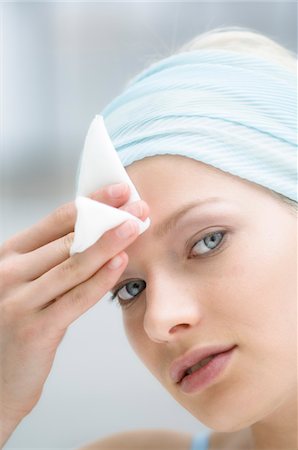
[143,440]
[236,440]
[167,440]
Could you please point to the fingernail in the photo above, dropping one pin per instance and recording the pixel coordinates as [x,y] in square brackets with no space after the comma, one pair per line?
[127,229]
[135,209]
[115,263]
[116,190]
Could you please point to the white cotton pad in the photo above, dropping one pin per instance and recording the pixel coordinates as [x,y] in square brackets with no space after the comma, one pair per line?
[100,165]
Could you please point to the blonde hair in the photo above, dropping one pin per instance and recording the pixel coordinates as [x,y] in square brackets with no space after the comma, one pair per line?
[243,40]
[246,41]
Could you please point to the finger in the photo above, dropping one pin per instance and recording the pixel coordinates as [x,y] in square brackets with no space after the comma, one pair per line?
[112,194]
[81,266]
[78,300]
[139,209]
[58,223]
[45,258]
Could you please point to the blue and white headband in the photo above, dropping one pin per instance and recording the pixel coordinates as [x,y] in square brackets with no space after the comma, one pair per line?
[235,112]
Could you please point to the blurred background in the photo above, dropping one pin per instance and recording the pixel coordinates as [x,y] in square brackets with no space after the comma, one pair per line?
[61,63]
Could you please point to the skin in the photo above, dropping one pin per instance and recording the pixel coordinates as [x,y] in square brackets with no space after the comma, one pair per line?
[43,290]
[244,294]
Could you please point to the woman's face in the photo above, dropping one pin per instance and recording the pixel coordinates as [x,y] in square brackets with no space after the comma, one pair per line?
[235,287]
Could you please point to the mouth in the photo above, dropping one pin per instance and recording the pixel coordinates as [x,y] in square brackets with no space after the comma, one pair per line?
[197,366]
[195,360]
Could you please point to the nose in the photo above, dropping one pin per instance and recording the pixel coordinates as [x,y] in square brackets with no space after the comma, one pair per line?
[172,307]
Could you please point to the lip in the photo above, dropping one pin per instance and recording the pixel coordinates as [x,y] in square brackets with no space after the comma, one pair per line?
[192,357]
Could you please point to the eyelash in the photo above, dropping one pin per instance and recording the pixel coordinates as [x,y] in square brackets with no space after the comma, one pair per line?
[127,303]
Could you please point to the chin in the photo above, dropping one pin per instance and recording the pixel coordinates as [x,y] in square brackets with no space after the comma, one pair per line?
[220,419]
[222,423]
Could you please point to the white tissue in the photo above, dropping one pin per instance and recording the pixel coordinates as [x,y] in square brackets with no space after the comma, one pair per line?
[100,165]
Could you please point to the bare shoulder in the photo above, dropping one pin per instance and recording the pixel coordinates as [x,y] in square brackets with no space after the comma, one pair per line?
[143,440]
[168,440]
[237,440]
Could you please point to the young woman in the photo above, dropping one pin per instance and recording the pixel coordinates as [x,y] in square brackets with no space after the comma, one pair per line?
[208,292]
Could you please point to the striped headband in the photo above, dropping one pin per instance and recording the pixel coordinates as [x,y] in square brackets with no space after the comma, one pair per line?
[235,112]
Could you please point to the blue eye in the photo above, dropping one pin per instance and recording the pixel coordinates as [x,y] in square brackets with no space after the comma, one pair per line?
[132,288]
[129,291]
[209,242]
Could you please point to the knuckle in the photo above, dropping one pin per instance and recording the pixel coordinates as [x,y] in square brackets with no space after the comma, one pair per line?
[106,284]
[9,246]
[103,281]
[78,296]
[65,213]
[9,272]
[11,312]
[66,243]
[101,284]
[70,269]
[6,248]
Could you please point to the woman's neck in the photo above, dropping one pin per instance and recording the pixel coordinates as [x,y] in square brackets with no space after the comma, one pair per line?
[279,430]
[276,432]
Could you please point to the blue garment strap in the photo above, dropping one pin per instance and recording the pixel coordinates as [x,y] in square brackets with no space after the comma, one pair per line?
[233,111]
[200,441]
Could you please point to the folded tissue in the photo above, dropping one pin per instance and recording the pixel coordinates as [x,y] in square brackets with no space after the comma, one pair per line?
[100,165]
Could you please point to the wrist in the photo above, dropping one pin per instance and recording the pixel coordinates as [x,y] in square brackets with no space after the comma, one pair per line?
[7,427]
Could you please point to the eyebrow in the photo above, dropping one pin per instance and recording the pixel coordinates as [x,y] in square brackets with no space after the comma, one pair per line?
[170,222]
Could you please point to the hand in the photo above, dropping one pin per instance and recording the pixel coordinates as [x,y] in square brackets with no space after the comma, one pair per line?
[43,290]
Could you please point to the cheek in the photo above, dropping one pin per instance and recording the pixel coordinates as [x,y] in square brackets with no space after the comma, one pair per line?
[253,298]
[260,291]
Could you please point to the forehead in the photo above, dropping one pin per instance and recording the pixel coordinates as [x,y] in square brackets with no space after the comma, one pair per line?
[170,180]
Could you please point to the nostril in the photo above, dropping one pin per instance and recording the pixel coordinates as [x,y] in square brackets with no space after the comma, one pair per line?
[179,327]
